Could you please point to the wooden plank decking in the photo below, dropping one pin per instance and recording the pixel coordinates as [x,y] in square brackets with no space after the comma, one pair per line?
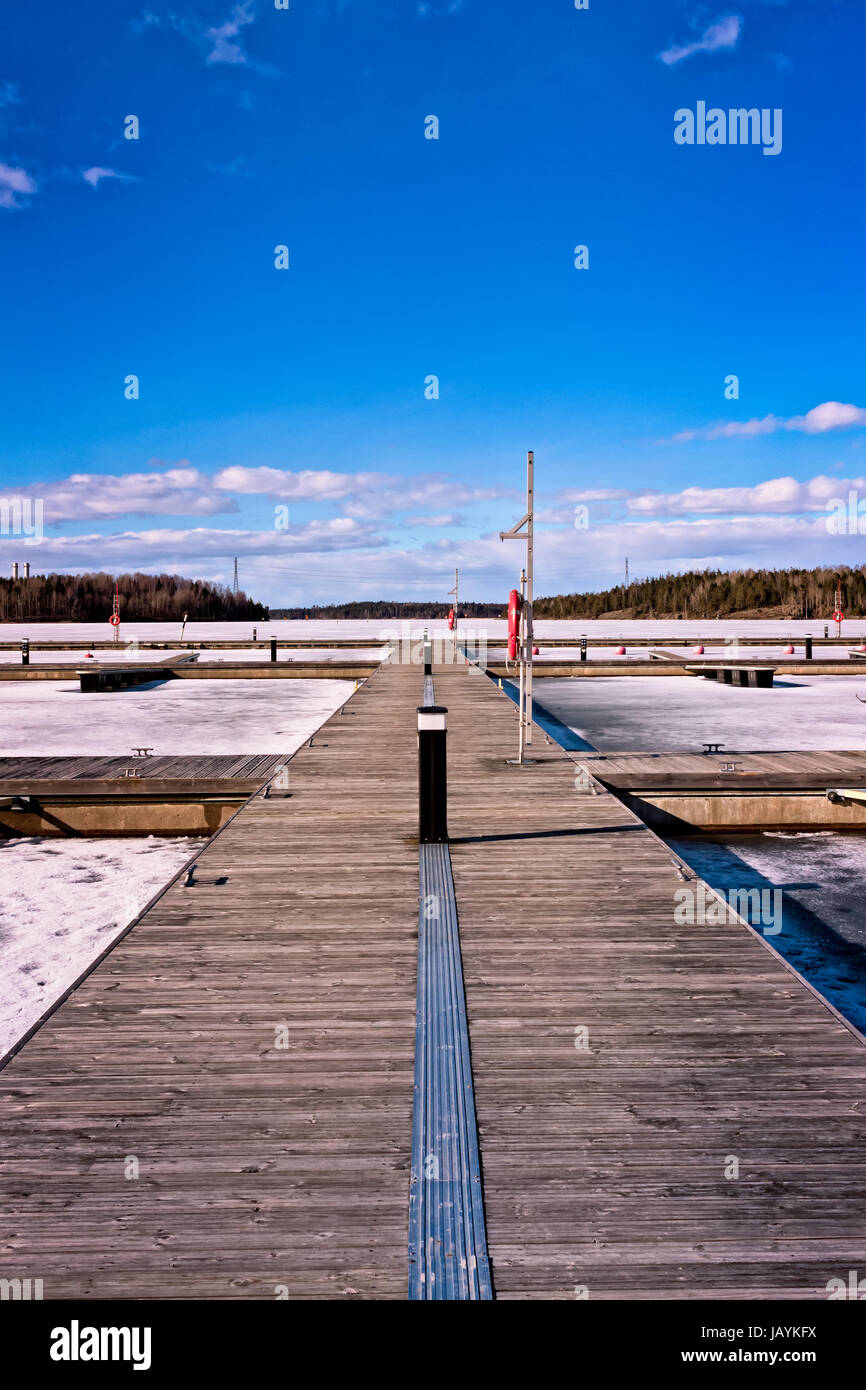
[771,771]
[261,1166]
[605,1168]
[25,767]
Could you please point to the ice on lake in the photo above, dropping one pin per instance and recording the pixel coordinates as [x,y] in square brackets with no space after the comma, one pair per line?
[47,718]
[681,713]
[821,877]
[63,903]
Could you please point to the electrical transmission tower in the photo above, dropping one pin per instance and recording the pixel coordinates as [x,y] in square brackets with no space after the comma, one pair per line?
[235,585]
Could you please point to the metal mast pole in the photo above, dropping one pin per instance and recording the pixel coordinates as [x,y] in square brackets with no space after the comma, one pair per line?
[530,469]
[456,592]
[521,704]
[515,534]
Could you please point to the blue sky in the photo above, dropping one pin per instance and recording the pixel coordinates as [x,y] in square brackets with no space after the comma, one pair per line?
[411,257]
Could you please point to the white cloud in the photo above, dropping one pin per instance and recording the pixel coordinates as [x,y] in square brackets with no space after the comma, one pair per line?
[189,548]
[180,490]
[283,483]
[15,183]
[832,415]
[776,495]
[342,558]
[723,33]
[370,496]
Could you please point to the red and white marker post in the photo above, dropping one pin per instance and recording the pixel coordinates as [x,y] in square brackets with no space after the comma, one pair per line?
[115,614]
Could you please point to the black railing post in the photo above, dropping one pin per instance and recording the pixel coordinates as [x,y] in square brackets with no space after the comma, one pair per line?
[432,775]
[428,659]
[583,649]
[25,651]
[808,649]
[273,649]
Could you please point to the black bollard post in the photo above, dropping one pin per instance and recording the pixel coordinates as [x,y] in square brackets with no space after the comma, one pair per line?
[808,649]
[428,659]
[25,651]
[583,649]
[432,775]
[273,649]
[826,630]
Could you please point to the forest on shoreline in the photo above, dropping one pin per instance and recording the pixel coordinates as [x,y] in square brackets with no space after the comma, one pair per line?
[697,594]
[144,598]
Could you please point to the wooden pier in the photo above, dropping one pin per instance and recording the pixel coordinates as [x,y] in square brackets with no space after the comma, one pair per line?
[332,669]
[677,793]
[131,796]
[223,1107]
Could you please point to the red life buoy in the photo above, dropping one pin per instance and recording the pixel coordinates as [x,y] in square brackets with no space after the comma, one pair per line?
[838,616]
[515,603]
[115,620]
[451,620]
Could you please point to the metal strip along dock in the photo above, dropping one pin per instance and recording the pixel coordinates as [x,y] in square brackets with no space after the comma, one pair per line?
[223,1107]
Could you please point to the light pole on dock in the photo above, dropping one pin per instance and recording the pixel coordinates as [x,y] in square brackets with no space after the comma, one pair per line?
[456,592]
[518,533]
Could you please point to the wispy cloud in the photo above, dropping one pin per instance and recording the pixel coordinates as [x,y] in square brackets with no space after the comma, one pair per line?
[225,36]
[15,184]
[306,483]
[369,496]
[9,99]
[831,415]
[217,43]
[95,176]
[723,33]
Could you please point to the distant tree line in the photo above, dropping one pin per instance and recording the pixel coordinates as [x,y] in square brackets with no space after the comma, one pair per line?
[380,610]
[144,598]
[790,593]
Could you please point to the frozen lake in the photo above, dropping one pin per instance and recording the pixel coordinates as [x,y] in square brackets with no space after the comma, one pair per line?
[363,629]
[63,903]
[680,713]
[822,879]
[180,716]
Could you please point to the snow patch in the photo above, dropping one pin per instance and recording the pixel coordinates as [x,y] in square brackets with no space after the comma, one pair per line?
[63,903]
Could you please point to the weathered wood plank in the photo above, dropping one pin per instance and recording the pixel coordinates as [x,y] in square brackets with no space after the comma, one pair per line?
[605,1168]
